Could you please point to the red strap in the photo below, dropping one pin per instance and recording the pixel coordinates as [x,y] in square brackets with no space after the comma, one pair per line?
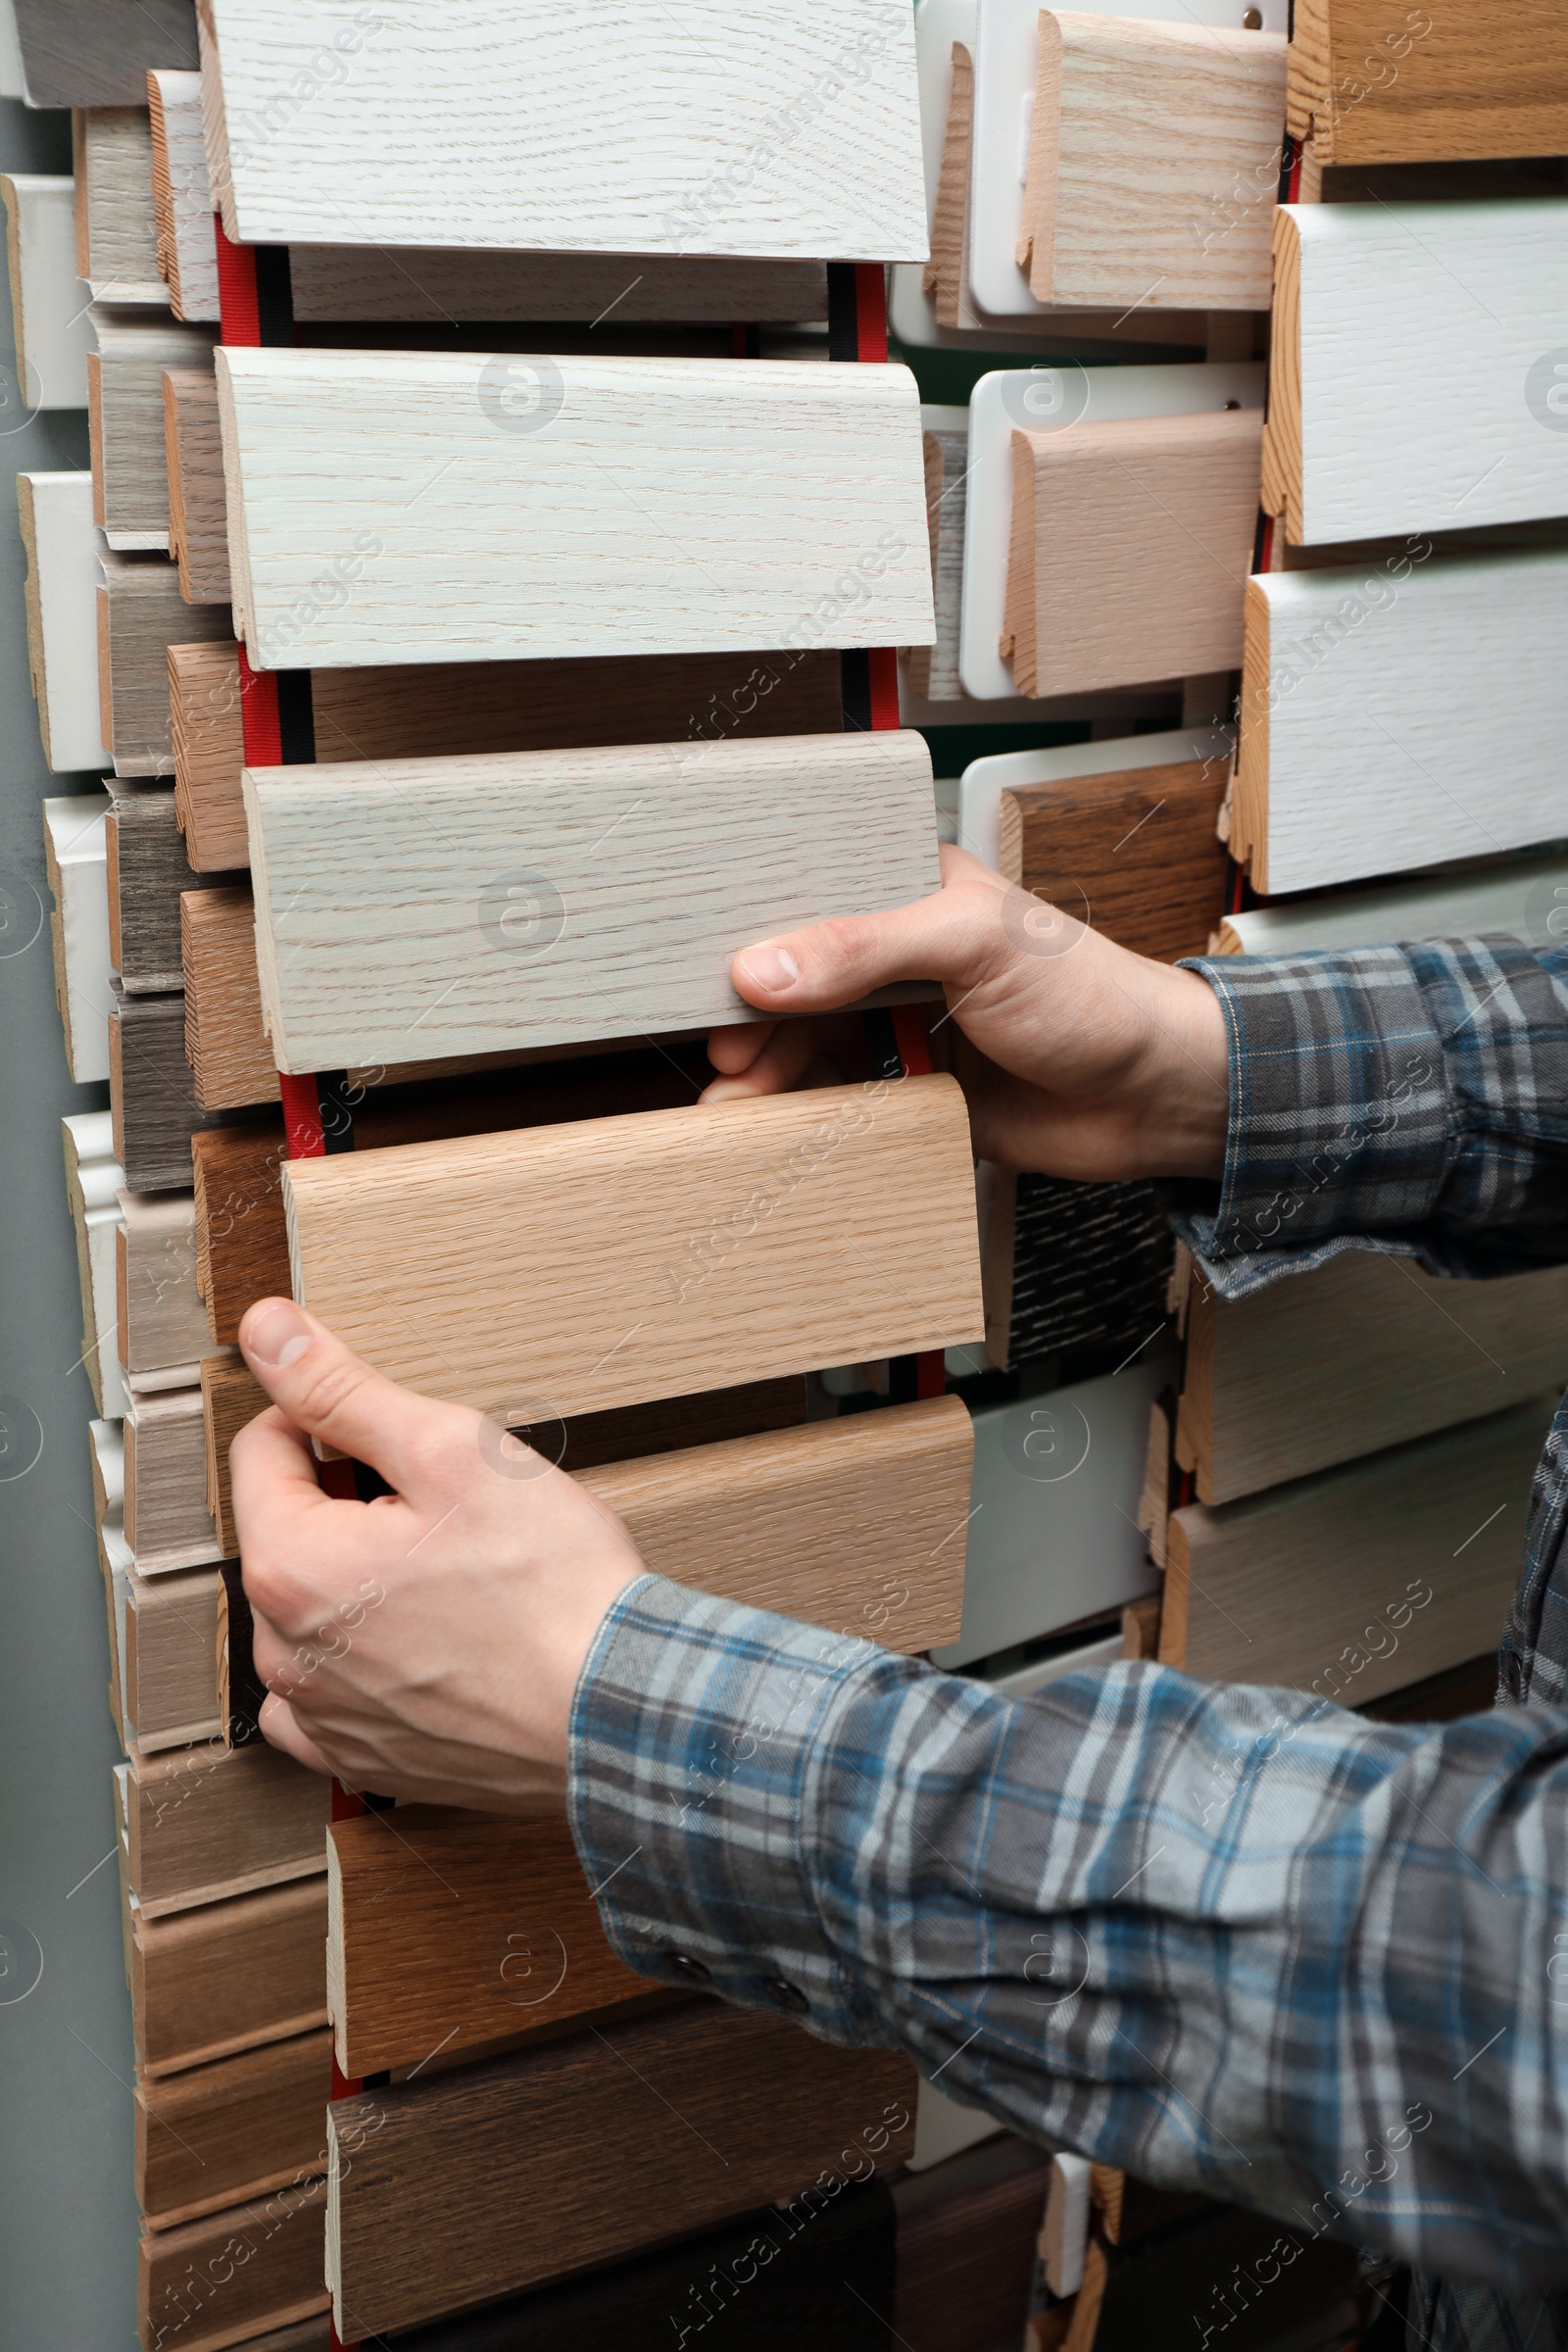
[238,306]
[871,310]
[303,1131]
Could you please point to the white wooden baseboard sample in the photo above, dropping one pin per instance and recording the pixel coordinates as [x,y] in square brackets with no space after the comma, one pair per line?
[125,416]
[627,1258]
[984,781]
[417,907]
[76,860]
[48,302]
[183,201]
[1153,160]
[1399,715]
[1365,437]
[725,128]
[1056,398]
[585,507]
[63,545]
[94,1179]
[1525,896]
[117,228]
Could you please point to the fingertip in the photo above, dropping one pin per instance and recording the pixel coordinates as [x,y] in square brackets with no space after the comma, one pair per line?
[769,971]
[734,1049]
[273,1334]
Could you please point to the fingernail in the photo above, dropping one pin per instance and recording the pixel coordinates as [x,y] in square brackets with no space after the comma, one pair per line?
[772,968]
[279,1337]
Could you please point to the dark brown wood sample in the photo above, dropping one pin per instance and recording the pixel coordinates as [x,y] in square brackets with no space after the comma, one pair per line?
[1246,2273]
[198,523]
[967,2232]
[442,708]
[454,2190]
[235,2276]
[209,1822]
[228,1976]
[152,1092]
[1132,853]
[146,874]
[231,2129]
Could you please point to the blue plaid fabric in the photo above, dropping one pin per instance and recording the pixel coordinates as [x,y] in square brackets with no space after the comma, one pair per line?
[1229,1939]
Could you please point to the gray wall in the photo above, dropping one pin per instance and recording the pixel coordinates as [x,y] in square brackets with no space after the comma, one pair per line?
[68,2218]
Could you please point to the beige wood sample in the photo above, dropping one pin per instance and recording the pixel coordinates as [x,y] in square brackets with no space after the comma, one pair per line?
[447,906]
[451,2189]
[1357,1354]
[227,1976]
[225,1044]
[1132,540]
[162,1319]
[182,202]
[168,1524]
[141,614]
[117,234]
[1154,163]
[227,2279]
[724,1243]
[193,452]
[1361,1579]
[171,1657]
[789,498]
[233,2129]
[209,1822]
[231,1396]
[1377,81]
[125,421]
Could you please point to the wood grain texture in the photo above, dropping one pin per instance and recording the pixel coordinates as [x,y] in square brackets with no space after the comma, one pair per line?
[152,1093]
[48,317]
[426,2218]
[225,1045]
[451,710]
[62,545]
[229,1977]
[1366,438]
[1398,716]
[397,286]
[230,2130]
[1131,544]
[934,670]
[145,875]
[730,132]
[96,52]
[168,1524]
[183,201]
[93,1181]
[116,231]
[198,518]
[447,906]
[943,274]
[75,862]
[1072,1268]
[1154,159]
[1376,82]
[223,2281]
[1276,1588]
[230,1397]
[451,1929]
[1135,855]
[170,1658]
[966,2245]
[1363,1353]
[125,421]
[161,1316]
[810,1189]
[560,540]
[209,1822]
[141,614]
[1524,897]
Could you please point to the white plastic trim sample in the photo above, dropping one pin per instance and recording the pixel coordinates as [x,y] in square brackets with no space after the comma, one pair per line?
[91,1152]
[63,585]
[75,830]
[48,300]
[723,126]
[1527,899]
[984,781]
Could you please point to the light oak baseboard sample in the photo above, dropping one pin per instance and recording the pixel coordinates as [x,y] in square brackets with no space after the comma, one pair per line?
[168,1524]
[117,232]
[146,873]
[229,1977]
[208,1822]
[237,2277]
[62,586]
[459,2194]
[198,518]
[162,1320]
[1525,897]
[1365,439]
[727,133]
[388,925]
[1278,1588]
[48,307]
[183,201]
[96,52]
[94,1179]
[1135,854]
[125,421]
[77,861]
[233,2129]
[451,710]
[790,501]
[457,1929]
[1371,84]
[1399,717]
[1154,157]
[1363,1353]
[170,1658]
[851,1211]
[1131,546]
[141,614]
[225,1045]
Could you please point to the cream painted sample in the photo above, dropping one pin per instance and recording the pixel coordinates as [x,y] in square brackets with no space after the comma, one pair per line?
[394,506]
[48,301]
[1527,898]
[63,574]
[722,127]
[77,860]
[428,908]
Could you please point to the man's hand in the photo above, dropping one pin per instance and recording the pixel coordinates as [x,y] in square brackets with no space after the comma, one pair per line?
[426,1644]
[1078,1059]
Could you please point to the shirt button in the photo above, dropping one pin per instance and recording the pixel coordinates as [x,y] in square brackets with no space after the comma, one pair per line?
[785,1996]
[694,1968]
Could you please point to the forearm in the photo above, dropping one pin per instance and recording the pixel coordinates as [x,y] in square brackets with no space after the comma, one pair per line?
[1226,1938]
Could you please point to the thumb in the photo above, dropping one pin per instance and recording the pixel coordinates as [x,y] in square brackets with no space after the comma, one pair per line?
[955,938]
[331,1394]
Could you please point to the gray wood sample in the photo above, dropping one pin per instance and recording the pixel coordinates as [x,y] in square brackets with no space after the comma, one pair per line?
[152,1092]
[146,873]
[97,52]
